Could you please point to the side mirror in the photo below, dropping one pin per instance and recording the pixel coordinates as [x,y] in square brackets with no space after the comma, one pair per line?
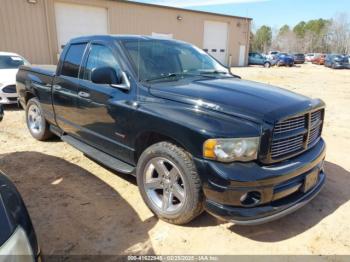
[109,76]
[124,82]
[104,75]
[1,112]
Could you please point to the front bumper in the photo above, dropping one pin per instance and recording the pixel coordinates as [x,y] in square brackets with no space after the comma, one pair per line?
[8,98]
[285,63]
[297,61]
[341,66]
[281,186]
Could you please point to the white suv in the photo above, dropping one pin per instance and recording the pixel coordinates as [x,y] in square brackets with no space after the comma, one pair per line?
[9,63]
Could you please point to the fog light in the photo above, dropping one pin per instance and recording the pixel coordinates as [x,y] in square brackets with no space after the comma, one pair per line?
[250,199]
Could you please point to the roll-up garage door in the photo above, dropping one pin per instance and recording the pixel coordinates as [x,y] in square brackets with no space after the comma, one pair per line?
[74,20]
[215,40]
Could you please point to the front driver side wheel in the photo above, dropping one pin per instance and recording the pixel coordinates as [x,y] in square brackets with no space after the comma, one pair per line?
[169,183]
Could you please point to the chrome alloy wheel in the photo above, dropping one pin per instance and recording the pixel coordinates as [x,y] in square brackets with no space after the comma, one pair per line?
[34,119]
[164,185]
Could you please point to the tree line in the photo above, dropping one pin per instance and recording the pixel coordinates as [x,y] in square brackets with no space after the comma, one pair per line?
[313,36]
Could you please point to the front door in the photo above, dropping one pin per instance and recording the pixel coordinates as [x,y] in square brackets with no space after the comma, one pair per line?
[105,111]
[241,61]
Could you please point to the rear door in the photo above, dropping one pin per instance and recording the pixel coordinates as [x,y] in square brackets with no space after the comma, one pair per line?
[65,88]
[104,111]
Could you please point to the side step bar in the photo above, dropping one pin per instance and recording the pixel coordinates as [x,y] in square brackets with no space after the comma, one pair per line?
[100,156]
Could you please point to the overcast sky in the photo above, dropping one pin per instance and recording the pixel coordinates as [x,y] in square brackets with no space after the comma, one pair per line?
[270,12]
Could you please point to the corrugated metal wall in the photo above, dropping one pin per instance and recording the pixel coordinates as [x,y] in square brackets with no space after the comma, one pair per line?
[30,29]
[23,29]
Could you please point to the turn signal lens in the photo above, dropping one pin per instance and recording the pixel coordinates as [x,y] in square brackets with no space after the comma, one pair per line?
[209,147]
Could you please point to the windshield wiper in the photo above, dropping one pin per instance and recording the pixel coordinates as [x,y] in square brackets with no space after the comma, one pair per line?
[170,75]
[216,72]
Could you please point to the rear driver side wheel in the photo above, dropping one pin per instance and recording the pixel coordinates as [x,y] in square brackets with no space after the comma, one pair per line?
[36,122]
[169,183]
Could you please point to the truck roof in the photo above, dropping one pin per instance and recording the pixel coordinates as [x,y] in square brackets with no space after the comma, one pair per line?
[119,37]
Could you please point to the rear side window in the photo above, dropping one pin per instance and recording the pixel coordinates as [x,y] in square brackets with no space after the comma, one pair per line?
[73,60]
[100,56]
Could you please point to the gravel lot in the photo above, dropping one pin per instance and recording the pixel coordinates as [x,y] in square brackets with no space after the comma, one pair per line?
[79,207]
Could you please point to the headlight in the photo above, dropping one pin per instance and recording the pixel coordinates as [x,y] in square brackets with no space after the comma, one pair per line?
[231,149]
[17,245]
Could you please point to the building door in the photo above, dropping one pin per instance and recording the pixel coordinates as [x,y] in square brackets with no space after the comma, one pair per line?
[215,40]
[74,20]
[241,61]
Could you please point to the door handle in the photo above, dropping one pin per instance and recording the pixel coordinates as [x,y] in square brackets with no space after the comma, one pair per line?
[83,94]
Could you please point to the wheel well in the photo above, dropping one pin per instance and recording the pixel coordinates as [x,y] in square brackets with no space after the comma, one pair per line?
[28,96]
[147,139]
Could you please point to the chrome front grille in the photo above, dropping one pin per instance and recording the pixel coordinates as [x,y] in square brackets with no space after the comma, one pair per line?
[316,117]
[314,135]
[286,145]
[290,124]
[296,134]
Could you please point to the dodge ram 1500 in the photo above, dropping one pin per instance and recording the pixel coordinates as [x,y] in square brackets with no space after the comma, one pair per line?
[195,136]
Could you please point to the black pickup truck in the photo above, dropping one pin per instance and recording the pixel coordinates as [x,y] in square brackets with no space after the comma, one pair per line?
[196,136]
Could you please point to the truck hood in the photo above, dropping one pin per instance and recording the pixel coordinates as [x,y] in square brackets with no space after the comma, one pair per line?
[246,99]
[8,76]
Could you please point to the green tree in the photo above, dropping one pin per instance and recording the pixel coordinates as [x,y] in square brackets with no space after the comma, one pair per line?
[251,41]
[284,29]
[262,39]
[316,26]
[299,29]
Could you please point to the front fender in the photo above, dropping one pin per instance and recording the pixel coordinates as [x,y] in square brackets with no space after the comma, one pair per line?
[191,126]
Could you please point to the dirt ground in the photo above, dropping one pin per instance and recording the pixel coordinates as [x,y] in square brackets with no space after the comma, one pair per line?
[79,207]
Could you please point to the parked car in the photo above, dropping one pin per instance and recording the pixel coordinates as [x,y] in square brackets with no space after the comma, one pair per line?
[337,61]
[258,59]
[283,59]
[319,59]
[18,241]
[194,135]
[9,64]
[309,57]
[272,55]
[299,58]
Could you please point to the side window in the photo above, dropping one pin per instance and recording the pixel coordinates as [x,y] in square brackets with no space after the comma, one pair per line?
[72,60]
[190,60]
[100,56]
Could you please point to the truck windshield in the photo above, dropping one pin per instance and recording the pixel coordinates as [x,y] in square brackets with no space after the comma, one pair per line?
[158,59]
[11,62]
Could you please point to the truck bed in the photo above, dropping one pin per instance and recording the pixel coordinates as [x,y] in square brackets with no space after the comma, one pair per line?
[37,80]
[49,70]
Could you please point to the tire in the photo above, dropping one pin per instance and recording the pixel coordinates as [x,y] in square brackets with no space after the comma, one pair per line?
[36,122]
[267,65]
[167,172]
